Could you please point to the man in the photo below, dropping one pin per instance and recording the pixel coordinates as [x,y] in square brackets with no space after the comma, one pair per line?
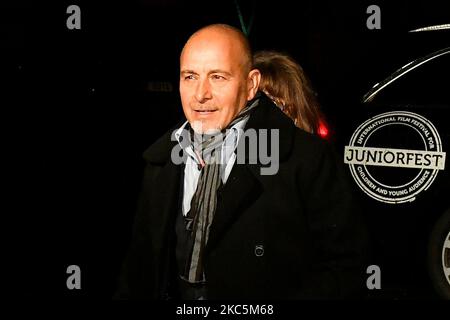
[214,226]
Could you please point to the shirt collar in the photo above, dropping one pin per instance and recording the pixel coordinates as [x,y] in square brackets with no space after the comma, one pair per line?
[230,142]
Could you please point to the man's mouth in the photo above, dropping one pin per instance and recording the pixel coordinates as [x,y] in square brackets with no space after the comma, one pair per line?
[205,111]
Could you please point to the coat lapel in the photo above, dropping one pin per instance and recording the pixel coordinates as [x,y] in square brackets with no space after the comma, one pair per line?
[166,191]
[240,191]
[244,185]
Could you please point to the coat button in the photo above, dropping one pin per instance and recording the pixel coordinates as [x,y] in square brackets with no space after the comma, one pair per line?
[259,250]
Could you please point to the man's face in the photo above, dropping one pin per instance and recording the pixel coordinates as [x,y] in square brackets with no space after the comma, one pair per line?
[213,82]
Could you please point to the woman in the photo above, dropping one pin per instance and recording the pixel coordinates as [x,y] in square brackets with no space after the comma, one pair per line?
[283,80]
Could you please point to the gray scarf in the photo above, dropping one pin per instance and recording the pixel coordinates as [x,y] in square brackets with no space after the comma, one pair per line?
[204,201]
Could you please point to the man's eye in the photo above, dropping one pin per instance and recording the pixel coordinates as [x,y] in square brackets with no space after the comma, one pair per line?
[217,77]
[189,77]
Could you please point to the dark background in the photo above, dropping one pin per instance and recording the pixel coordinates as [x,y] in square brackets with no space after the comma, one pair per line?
[80,106]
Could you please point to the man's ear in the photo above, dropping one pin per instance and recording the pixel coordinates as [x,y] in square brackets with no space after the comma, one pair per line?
[254,77]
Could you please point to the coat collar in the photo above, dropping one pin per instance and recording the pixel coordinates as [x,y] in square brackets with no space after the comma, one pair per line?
[159,153]
[268,116]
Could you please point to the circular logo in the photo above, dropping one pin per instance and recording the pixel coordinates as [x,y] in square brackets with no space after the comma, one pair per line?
[394,156]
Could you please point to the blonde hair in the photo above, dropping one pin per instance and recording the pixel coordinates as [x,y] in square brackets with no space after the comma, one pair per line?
[283,80]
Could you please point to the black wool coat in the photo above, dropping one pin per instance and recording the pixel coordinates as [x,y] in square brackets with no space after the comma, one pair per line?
[293,235]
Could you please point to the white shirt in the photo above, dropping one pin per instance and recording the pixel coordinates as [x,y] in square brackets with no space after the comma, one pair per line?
[191,171]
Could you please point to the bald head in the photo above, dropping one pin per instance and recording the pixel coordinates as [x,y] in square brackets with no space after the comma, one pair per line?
[229,37]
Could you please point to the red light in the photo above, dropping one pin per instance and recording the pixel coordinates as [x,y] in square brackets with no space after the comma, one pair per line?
[323,130]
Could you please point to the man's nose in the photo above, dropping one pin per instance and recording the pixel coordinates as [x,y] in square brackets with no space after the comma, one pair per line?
[203,91]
